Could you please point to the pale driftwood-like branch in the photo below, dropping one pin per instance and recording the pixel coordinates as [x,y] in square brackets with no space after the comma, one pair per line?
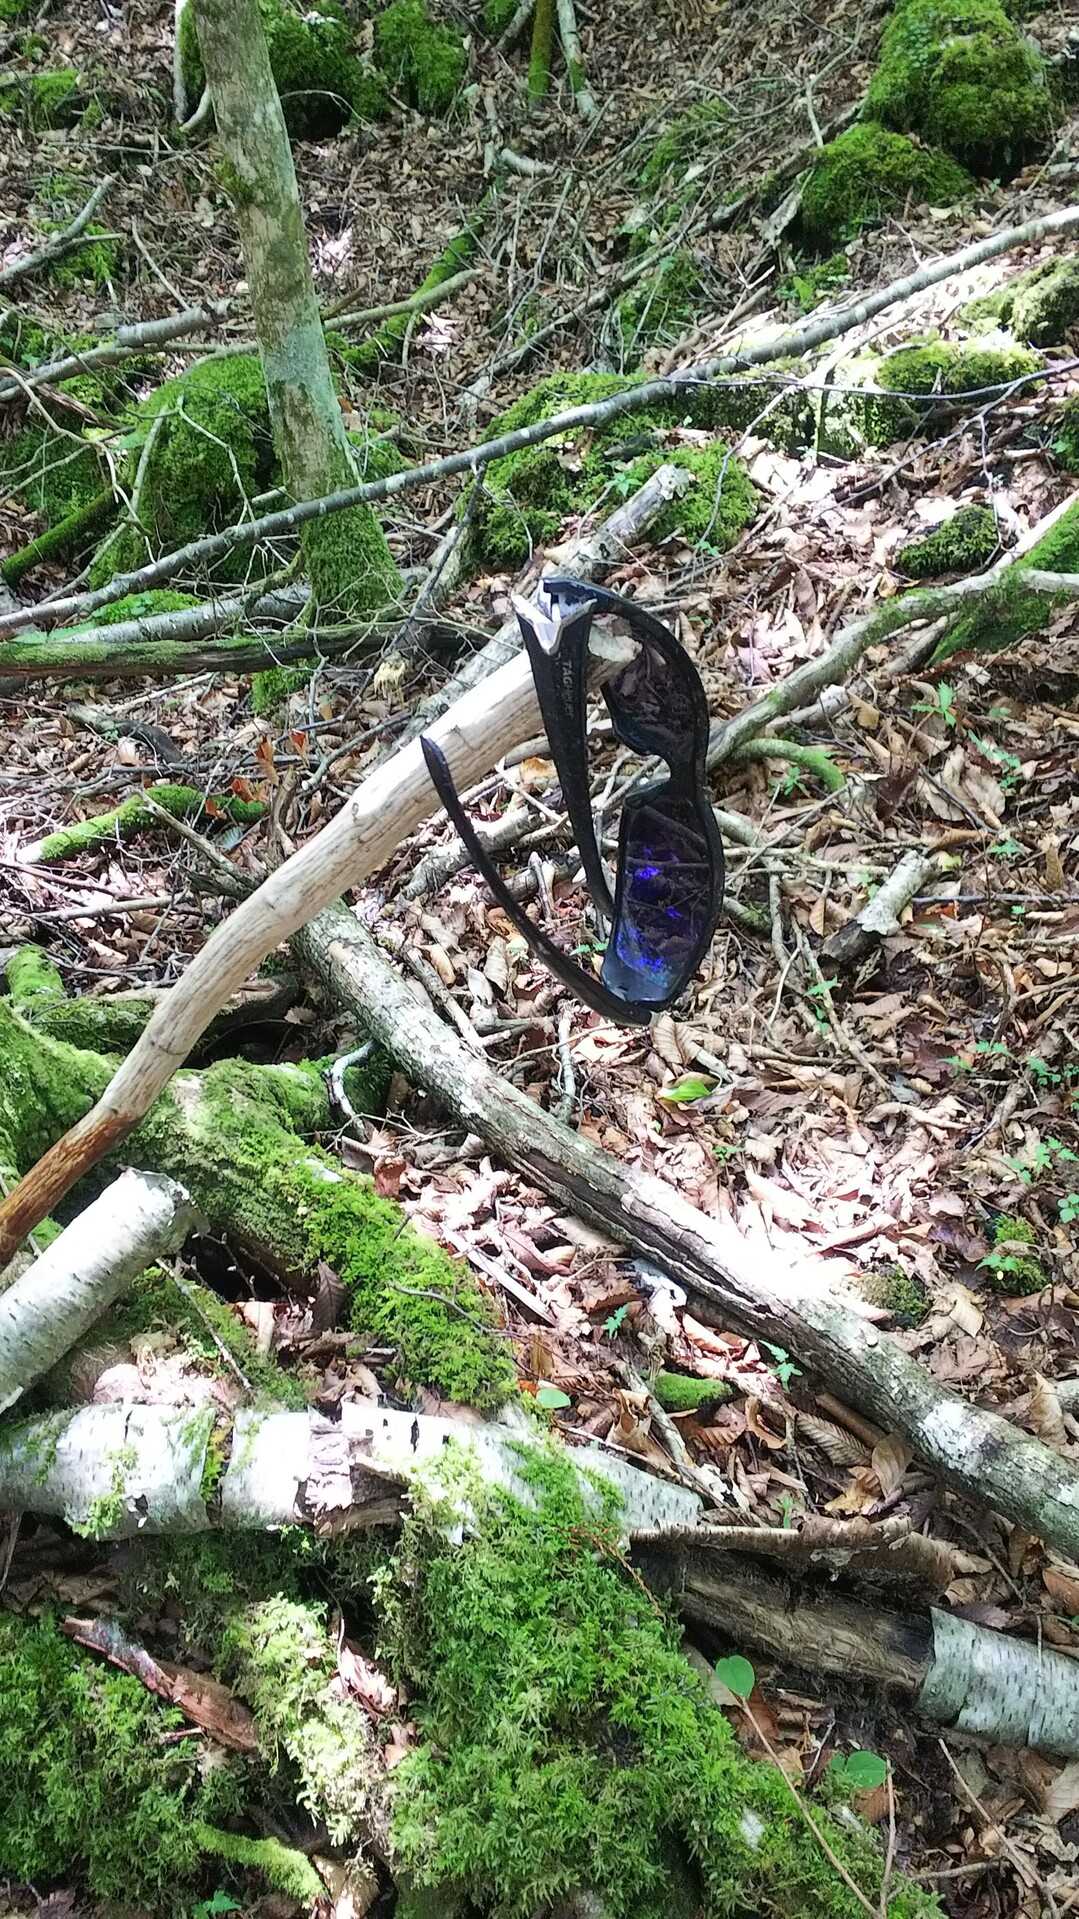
[792,344]
[54,248]
[880,915]
[145,336]
[46,1310]
[732,1282]
[283,1468]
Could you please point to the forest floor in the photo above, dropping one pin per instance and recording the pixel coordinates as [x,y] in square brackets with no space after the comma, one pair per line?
[886,1122]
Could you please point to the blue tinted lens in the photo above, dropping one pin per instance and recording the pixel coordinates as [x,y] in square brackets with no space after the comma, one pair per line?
[664,902]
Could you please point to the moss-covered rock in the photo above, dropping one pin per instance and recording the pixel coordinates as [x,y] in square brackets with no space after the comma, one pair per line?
[1039,307]
[927,372]
[867,173]
[421,59]
[569,1747]
[53,99]
[206,449]
[963,544]
[1012,612]
[527,494]
[321,82]
[691,140]
[960,74]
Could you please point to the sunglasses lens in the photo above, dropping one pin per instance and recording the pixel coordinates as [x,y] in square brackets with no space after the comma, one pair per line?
[652,705]
[667,899]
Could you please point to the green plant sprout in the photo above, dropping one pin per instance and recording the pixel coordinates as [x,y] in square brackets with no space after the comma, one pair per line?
[785,1369]
[943,704]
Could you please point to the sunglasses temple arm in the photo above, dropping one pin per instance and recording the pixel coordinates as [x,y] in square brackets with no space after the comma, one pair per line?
[623,1012]
[560,682]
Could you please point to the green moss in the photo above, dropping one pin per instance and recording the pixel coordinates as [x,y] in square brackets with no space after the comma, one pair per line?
[271,690]
[33,981]
[693,137]
[938,369]
[200,1324]
[958,73]
[12,10]
[1039,307]
[1011,1270]
[527,494]
[134,816]
[659,309]
[569,1746]
[143,606]
[212,451]
[54,99]
[96,1786]
[58,469]
[386,344]
[282,1866]
[903,1294]
[868,173]
[321,83]
[95,262]
[963,544]
[810,284]
[281,1658]
[497,15]
[420,58]
[678,1393]
[1012,613]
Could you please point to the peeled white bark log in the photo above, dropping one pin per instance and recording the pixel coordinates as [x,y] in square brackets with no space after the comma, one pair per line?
[139,1218]
[126,1469]
[1005,1689]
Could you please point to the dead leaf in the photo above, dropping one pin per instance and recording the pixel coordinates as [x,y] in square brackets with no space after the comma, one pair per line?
[1061,1795]
[1063,1589]
[1046,1417]
[890,1461]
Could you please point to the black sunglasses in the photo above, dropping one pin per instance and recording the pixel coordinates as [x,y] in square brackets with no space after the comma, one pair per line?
[669,879]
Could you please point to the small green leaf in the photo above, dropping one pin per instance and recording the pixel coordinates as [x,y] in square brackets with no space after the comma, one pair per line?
[690,1086]
[614,1324]
[864,1770]
[552,1398]
[737,1675]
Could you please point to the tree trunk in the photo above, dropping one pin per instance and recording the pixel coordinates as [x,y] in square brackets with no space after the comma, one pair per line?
[349,563]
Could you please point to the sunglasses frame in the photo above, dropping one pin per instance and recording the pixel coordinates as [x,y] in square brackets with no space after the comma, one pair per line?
[561,678]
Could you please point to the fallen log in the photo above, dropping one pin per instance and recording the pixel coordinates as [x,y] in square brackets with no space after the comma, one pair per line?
[960,1675]
[730,1283]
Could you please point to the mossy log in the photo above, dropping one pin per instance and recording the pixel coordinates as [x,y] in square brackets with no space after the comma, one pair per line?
[235,1135]
[134,816]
